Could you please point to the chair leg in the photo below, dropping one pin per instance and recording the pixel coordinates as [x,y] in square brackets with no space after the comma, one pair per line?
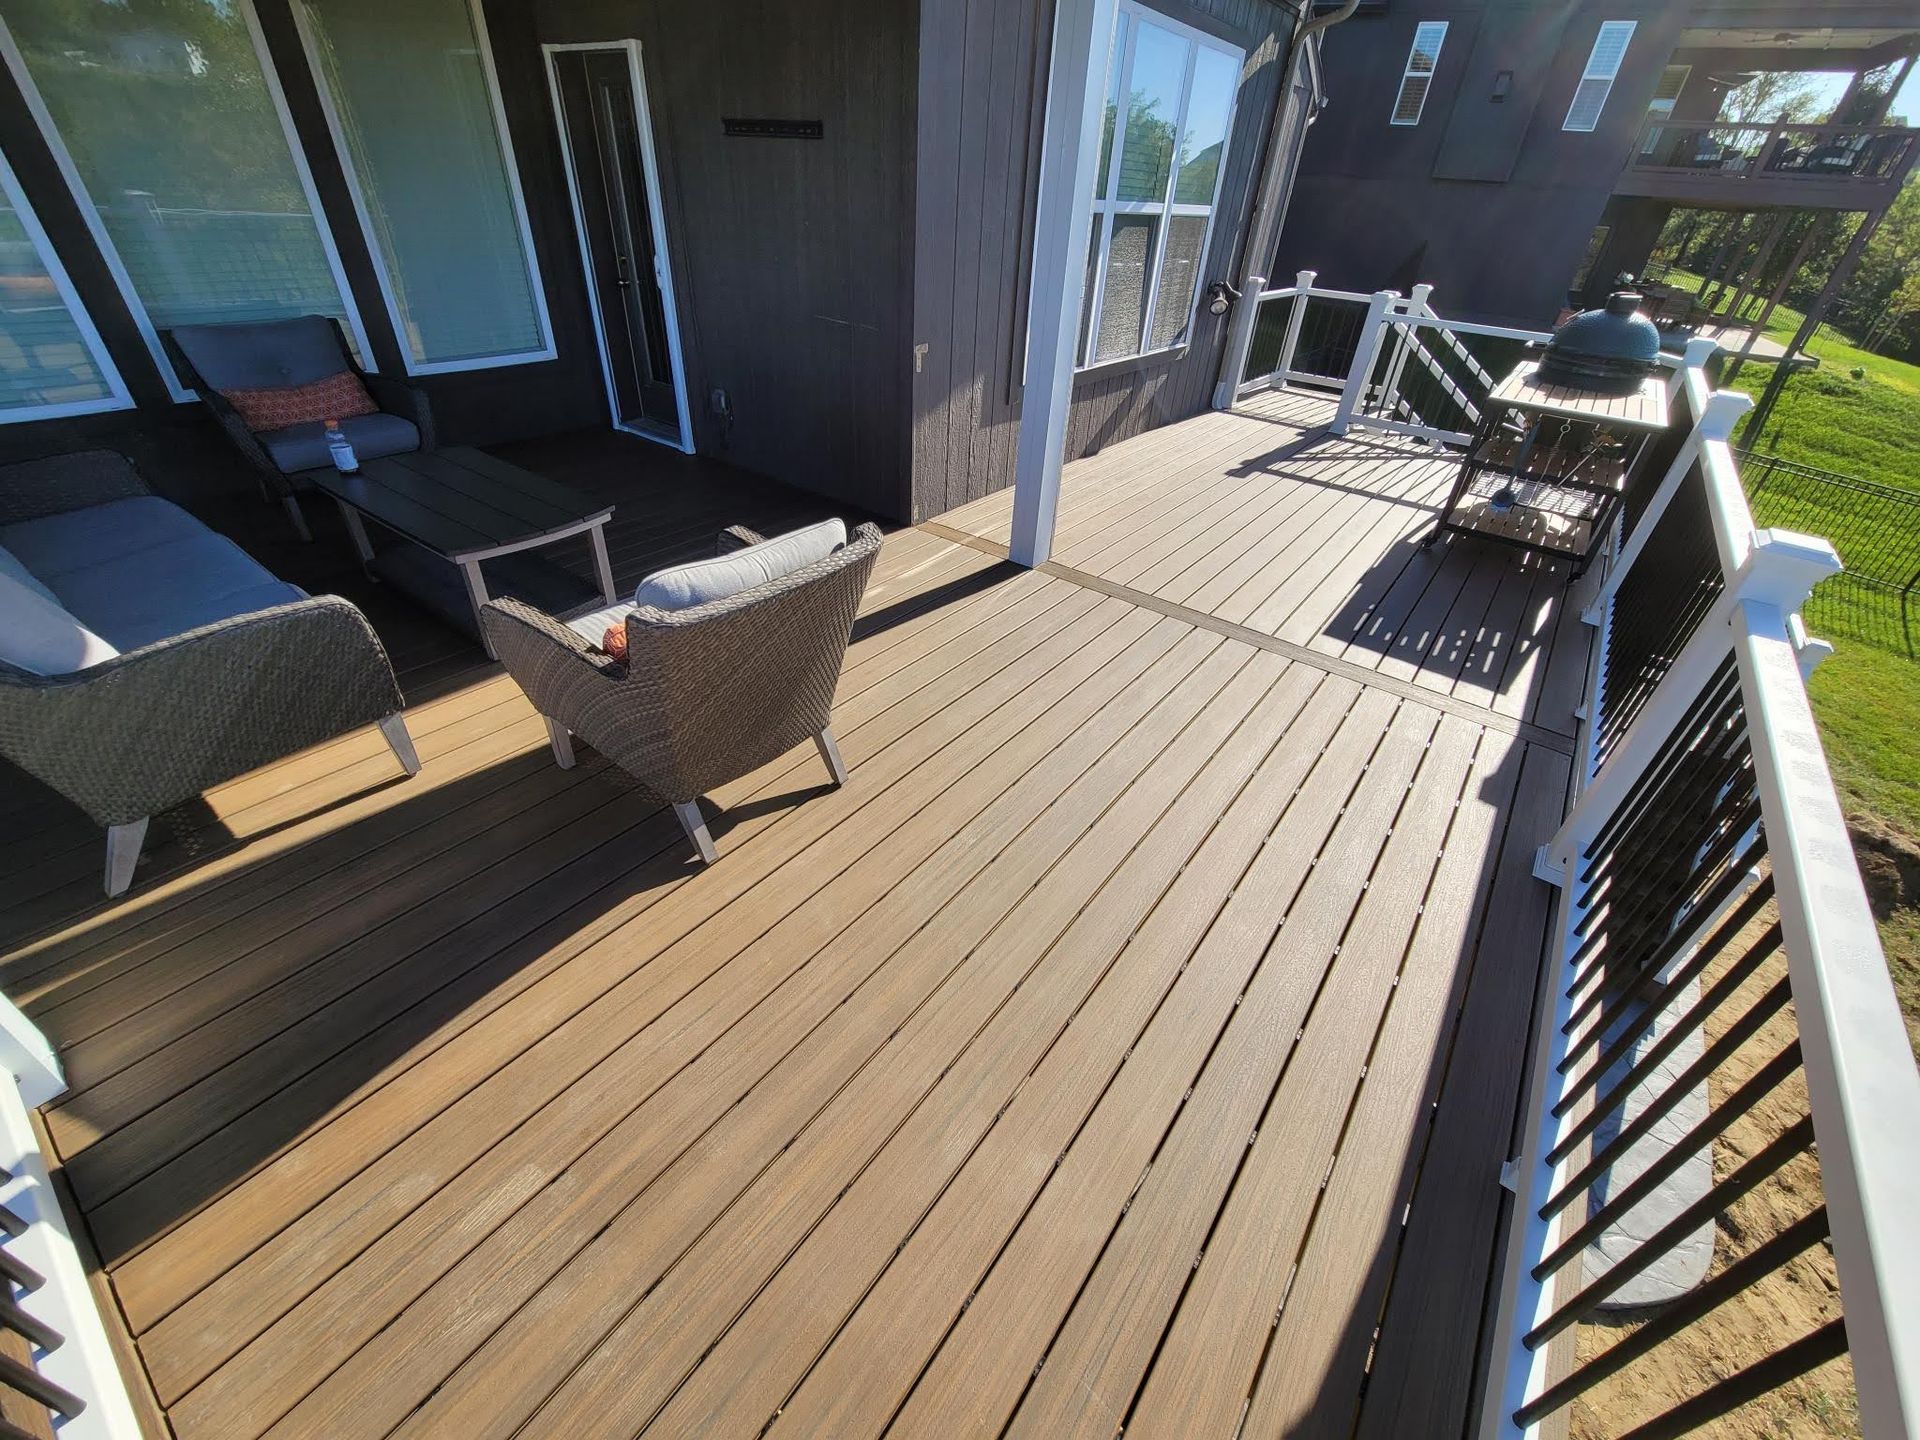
[561,739]
[292,504]
[394,727]
[695,824]
[123,853]
[830,752]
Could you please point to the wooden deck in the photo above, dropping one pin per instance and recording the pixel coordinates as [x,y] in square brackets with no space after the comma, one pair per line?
[1134,1040]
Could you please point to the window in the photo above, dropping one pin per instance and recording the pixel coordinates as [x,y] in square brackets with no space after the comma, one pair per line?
[172,132]
[414,107]
[1417,78]
[1157,184]
[1596,81]
[51,360]
[1666,95]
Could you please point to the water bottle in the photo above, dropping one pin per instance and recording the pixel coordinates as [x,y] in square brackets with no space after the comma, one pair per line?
[341,449]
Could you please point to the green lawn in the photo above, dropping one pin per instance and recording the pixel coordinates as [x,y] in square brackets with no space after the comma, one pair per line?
[1867,427]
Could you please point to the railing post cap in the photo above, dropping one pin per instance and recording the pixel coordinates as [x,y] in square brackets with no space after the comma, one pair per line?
[1784,567]
[1723,412]
[1699,351]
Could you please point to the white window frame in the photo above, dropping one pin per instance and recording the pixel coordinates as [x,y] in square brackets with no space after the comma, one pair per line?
[117,396]
[1106,208]
[1588,72]
[309,45]
[1661,109]
[90,213]
[1437,28]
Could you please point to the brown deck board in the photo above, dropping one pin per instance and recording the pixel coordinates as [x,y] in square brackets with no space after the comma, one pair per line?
[996,1090]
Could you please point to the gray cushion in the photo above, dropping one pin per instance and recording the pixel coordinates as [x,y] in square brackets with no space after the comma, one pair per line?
[304,447]
[55,545]
[593,627]
[170,588]
[37,635]
[702,581]
[15,571]
[263,354]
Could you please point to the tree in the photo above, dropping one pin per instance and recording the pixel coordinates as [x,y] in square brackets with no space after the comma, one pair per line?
[1773,97]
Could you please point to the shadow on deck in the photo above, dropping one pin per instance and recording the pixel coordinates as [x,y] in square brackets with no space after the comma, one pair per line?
[1134,1040]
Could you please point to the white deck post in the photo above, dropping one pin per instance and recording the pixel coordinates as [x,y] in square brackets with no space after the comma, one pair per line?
[1354,395]
[1082,31]
[1239,342]
[1302,297]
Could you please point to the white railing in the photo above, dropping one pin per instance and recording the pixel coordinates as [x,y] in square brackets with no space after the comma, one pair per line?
[1704,808]
[1399,367]
[48,1302]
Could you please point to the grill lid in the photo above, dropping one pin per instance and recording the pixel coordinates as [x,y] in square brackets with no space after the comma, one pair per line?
[1605,352]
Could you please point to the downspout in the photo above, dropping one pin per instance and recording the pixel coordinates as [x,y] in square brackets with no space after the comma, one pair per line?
[1272,198]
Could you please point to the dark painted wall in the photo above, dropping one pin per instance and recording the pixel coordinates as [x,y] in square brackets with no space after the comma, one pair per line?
[982,105]
[792,259]
[1490,201]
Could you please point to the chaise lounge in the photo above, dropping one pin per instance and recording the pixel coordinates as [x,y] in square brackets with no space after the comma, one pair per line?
[145,659]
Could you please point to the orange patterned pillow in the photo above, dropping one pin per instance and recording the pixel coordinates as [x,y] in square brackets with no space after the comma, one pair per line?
[334,397]
[614,642]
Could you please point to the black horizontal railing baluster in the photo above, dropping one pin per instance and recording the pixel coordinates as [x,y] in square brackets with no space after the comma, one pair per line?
[1648,973]
[1634,1130]
[1718,699]
[1622,1044]
[1713,1124]
[33,1329]
[16,1272]
[1796,1139]
[35,1386]
[1687,805]
[1716,1291]
[1764,1009]
[1829,1342]
[11,1223]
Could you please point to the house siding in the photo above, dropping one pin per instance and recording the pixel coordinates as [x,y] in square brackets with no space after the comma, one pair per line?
[1491,202]
[792,259]
[981,113]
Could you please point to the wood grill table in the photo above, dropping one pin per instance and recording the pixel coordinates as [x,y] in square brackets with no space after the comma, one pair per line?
[1532,477]
[457,507]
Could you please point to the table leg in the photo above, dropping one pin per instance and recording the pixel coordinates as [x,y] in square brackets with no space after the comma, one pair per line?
[599,533]
[477,593]
[357,532]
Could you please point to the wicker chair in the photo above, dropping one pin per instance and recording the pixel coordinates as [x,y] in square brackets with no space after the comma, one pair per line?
[213,358]
[705,694]
[173,716]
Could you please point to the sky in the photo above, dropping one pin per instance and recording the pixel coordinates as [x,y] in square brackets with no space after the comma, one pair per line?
[1906,105]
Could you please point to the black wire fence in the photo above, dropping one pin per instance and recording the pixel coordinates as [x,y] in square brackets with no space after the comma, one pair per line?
[1876,529]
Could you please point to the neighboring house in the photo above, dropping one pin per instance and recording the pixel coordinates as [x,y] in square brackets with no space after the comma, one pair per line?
[796,237]
[1505,150]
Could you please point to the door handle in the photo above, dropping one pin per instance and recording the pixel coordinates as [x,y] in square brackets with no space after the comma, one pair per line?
[620,275]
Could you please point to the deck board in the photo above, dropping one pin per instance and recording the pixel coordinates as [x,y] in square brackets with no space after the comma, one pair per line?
[1263,520]
[994,1092]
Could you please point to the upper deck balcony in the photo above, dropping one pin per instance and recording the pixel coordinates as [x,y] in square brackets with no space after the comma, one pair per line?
[1838,167]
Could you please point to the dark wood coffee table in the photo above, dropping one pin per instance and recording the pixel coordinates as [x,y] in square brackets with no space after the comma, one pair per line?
[458,507]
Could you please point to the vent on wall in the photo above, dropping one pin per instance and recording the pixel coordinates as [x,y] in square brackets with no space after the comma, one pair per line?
[773,129]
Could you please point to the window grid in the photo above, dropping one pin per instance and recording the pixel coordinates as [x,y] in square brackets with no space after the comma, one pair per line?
[96,226]
[1596,81]
[1423,57]
[383,262]
[1108,207]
